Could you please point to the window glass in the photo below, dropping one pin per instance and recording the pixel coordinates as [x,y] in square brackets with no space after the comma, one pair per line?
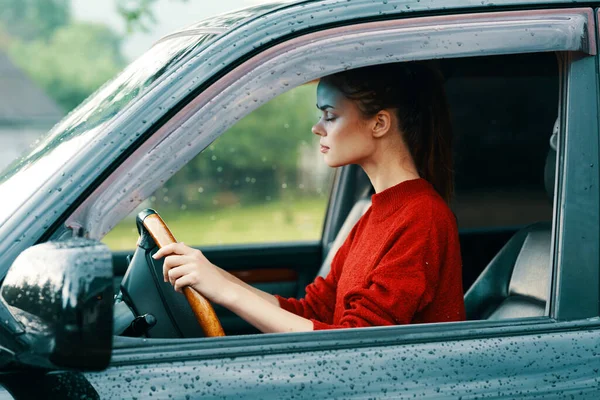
[25,175]
[262,181]
[503,110]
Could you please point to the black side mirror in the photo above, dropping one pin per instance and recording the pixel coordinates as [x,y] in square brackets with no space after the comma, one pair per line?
[62,294]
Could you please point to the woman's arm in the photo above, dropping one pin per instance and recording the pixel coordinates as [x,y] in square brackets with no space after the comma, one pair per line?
[185,266]
[236,281]
[262,313]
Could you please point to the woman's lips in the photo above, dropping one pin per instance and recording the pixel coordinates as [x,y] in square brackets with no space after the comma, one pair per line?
[324,149]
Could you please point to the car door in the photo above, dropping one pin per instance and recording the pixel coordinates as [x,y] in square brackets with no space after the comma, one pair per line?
[548,356]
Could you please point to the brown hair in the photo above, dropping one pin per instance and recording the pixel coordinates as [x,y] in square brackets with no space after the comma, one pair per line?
[416,93]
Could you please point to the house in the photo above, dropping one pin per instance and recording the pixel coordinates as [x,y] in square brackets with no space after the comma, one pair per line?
[26,112]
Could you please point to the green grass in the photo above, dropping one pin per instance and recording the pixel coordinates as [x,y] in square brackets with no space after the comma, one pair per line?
[268,222]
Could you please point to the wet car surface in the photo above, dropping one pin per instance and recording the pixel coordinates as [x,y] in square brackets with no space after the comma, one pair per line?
[113,152]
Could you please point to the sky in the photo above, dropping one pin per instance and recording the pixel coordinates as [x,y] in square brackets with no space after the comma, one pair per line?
[171,15]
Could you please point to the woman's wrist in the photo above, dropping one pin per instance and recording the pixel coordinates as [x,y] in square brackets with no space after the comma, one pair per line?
[229,294]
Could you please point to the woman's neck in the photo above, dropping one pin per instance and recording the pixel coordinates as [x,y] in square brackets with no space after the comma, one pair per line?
[389,167]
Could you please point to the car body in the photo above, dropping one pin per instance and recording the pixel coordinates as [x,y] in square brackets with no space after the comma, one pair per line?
[134,133]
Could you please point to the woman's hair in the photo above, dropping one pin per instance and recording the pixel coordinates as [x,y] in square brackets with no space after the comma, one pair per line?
[416,93]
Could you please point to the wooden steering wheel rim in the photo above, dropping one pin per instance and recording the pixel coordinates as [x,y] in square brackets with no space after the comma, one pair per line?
[204,312]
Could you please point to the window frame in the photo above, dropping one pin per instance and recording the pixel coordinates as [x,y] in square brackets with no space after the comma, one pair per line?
[177,141]
[576,235]
[125,187]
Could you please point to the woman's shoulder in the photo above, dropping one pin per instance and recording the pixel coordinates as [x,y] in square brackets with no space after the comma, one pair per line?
[428,207]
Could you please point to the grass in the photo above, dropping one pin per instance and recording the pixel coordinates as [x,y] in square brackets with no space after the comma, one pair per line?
[268,222]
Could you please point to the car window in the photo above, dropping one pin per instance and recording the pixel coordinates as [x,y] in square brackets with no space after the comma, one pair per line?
[503,110]
[261,181]
[83,125]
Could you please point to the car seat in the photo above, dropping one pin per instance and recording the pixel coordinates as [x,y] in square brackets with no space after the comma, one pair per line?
[515,283]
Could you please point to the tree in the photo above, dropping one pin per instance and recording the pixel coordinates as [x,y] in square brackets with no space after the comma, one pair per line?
[72,63]
[138,14]
[34,19]
[257,158]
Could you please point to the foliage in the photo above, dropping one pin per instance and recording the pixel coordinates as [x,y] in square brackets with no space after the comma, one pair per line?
[72,63]
[34,19]
[138,14]
[256,159]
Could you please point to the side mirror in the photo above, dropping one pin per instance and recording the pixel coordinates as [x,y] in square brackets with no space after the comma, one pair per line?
[62,294]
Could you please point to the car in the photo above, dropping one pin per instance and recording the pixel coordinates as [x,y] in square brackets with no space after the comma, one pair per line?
[522,83]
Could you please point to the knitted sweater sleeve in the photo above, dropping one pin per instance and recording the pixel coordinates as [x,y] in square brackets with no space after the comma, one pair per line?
[403,281]
[319,302]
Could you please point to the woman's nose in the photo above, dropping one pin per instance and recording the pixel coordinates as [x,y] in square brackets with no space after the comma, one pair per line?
[317,129]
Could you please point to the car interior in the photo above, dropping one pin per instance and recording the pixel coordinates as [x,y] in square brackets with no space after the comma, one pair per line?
[504,110]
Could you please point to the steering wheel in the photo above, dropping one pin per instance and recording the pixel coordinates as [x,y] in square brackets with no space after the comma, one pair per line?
[144,293]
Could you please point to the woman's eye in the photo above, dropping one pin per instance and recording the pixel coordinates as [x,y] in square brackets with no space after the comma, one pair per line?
[329,118]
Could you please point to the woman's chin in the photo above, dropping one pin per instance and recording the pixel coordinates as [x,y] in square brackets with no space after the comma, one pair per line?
[333,163]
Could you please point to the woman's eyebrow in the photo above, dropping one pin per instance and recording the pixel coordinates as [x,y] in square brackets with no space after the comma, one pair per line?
[324,107]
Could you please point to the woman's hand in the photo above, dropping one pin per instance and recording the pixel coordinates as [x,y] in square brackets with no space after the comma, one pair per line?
[184,266]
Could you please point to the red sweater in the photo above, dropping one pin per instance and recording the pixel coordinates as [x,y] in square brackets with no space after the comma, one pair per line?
[400,264]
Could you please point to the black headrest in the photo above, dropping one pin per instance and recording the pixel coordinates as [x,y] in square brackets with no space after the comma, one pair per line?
[550,168]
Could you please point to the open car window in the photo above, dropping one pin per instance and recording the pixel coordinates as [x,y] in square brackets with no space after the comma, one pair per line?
[258,81]
[261,181]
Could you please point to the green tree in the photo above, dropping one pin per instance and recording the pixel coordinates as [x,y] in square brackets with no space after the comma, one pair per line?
[34,19]
[138,14]
[72,63]
[257,158]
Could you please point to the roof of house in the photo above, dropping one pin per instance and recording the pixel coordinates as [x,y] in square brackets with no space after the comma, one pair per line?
[22,102]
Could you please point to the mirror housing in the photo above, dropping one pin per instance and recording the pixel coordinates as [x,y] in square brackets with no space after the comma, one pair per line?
[62,295]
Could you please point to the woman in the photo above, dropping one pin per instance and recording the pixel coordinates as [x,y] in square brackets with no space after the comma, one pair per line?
[401,262]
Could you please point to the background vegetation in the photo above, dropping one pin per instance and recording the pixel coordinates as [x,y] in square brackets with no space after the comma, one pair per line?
[68,59]
[256,183]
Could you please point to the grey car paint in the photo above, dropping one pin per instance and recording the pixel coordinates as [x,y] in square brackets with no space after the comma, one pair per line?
[536,365]
[539,358]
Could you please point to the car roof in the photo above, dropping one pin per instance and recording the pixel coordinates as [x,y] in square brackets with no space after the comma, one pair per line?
[354,9]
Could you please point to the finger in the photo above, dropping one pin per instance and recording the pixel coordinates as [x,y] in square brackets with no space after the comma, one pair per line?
[173,248]
[180,271]
[184,281]
[173,261]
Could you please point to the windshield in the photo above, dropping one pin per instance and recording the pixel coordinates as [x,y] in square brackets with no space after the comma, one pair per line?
[21,179]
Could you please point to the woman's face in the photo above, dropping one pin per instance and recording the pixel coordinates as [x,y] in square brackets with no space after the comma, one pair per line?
[346,136]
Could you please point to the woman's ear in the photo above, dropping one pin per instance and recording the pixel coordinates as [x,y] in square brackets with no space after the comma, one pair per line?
[382,123]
